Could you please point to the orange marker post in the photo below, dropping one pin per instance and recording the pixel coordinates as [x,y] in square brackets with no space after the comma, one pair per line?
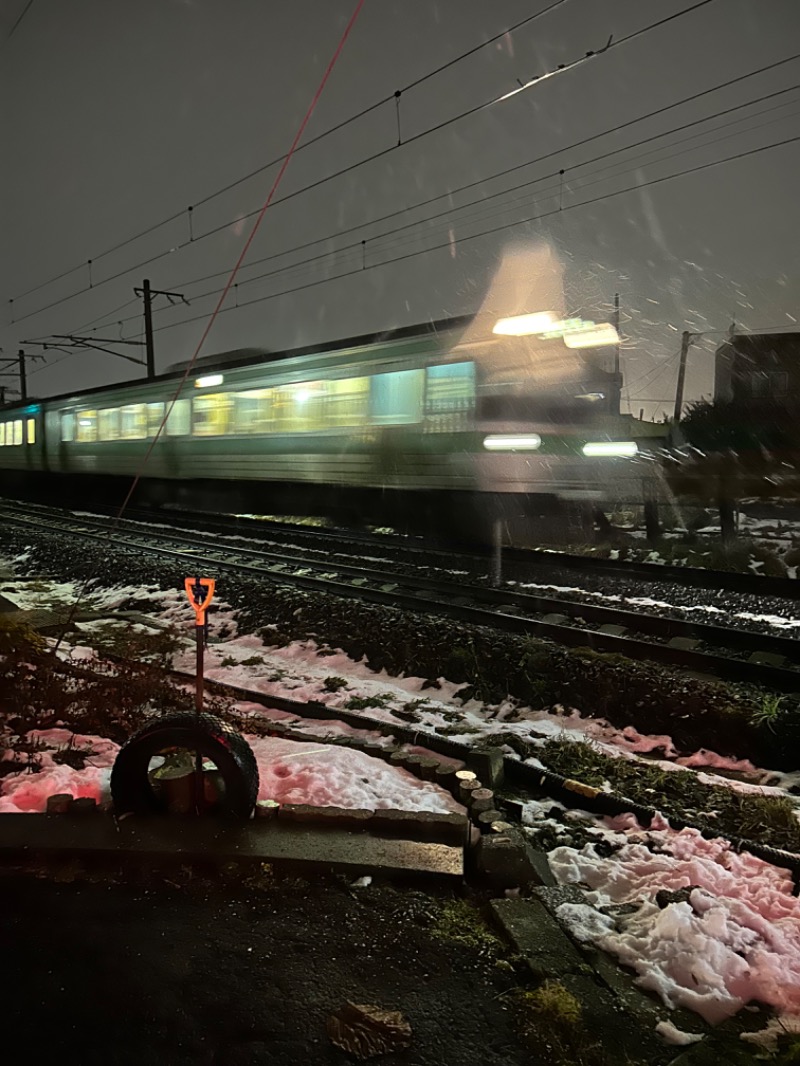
[200,591]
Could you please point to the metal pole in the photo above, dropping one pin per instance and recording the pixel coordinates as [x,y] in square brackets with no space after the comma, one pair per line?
[686,340]
[23,384]
[617,374]
[148,329]
[497,551]
[200,636]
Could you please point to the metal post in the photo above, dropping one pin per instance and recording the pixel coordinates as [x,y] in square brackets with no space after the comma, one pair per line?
[617,373]
[200,637]
[23,384]
[148,329]
[497,551]
[686,340]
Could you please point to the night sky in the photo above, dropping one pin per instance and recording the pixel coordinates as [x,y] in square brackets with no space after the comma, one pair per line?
[118,115]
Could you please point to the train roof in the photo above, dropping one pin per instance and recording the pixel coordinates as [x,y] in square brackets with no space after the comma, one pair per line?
[254,356]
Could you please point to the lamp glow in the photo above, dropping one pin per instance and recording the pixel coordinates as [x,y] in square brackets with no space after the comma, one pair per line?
[522,325]
[506,442]
[623,449]
[211,379]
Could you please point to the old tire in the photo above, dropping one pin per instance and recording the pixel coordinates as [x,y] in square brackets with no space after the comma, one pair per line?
[131,790]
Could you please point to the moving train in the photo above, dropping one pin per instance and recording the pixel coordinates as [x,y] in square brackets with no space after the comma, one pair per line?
[449,425]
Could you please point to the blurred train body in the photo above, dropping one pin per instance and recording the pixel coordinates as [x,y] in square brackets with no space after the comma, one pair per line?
[442,426]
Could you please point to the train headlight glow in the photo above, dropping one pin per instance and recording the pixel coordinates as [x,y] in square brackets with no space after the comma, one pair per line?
[507,442]
[523,325]
[211,379]
[611,448]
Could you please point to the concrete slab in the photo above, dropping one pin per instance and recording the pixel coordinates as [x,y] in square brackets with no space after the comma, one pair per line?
[206,840]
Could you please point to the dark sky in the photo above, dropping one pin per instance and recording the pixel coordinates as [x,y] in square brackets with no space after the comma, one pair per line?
[117,115]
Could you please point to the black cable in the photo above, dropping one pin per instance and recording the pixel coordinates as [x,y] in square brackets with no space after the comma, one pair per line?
[497,229]
[330,177]
[314,140]
[357,245]
[492,177]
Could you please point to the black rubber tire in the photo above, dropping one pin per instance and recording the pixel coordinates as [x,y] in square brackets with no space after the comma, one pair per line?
[131,791]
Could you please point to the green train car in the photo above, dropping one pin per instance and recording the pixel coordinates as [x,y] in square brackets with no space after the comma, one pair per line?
[421,427]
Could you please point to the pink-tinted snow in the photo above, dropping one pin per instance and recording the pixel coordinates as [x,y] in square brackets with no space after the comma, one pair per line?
[289,772]
[737,939]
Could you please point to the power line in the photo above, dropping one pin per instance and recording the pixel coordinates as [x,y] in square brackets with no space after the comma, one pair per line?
[357,246]
[314,140]
[14,28]
[330,177]
[470,185]
[496,229]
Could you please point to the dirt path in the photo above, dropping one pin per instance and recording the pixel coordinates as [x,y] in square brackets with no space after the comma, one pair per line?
[217,975]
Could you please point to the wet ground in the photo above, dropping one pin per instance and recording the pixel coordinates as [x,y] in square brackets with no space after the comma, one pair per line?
[215,973]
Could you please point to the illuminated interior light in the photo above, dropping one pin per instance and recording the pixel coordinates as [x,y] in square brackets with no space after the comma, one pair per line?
[211,379]
[522,325]
[593,397]
[506,442]
[85,422]
[597,337]
[611,448]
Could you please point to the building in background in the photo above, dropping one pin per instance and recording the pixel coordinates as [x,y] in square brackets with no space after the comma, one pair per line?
[759,370]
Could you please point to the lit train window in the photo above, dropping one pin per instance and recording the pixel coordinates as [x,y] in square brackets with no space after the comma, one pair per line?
[211,415]
[347,402]
[396,398]
[178,421]
[108,424]
[253,411]
[450,388]
[18,431]
[134,422]
[87,427]
[68,427]
[31,430]
[155,416]
[2,434]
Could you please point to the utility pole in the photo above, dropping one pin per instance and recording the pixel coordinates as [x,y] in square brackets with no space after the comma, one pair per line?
[23,383]
[147,295]
[686,340]
[617,374]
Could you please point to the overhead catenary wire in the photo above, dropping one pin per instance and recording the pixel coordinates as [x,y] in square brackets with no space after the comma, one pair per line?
[556,152]
[355,249]
[496,229]
[482,200]
[329,177]
[313,140]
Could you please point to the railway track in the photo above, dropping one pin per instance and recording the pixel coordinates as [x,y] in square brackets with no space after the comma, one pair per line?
[718,651]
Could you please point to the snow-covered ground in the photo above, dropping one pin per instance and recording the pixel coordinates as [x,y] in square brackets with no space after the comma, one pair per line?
[736,937]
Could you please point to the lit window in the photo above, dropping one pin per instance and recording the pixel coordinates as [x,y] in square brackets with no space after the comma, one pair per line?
[108,424]
[211,415]
[396,398]
[87,427]
[67,427]
[18,431]
[178,418]
[253,411]
[31,428]
[155,416]
[2,434]
[450,388]
[347,402]
[134,422]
